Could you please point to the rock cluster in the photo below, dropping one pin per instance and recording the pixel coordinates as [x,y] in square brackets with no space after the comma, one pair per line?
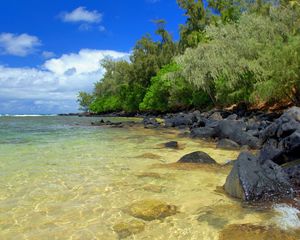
[274,172]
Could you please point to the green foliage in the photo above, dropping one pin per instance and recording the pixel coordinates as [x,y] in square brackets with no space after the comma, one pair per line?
[192,32]
[84,99]
[247,52]
[169,92]
[243,57]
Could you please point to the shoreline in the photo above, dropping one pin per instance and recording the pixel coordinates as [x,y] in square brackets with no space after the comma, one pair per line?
[275,136]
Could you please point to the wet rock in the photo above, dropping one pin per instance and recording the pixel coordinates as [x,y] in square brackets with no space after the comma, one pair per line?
[218,216]
[171,144]
[255,232]
[126,229]
[228,144]
[149,210]
[235,131]
[203,132]
[197,157]
[251,180]
[292,169]
[281,139]
[150,123]
[108,123]
[212,220]
[182,120]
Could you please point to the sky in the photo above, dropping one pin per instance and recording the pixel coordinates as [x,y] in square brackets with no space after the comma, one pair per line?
[52,49]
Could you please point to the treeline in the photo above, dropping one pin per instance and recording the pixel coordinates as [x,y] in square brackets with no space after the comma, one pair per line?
[233,51]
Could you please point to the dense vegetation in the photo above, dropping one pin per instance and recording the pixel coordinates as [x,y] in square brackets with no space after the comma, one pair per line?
[234,51]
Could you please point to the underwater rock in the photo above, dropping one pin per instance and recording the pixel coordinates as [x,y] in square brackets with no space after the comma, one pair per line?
[228,144]
[171,144]
[153,188]
[149,175]
[197,157]
[255,232]
[149,156]
[149,210]
[126,229]
[218,216]
[251,180]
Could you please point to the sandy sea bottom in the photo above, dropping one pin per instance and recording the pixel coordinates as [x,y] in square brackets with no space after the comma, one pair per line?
[60,178]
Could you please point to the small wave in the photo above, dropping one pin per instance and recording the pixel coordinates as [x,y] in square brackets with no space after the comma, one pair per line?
[287,216]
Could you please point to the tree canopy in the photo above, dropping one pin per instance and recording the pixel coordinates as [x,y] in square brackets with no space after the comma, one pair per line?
[231,51]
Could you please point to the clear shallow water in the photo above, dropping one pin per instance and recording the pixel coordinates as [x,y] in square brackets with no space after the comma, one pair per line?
[61,178]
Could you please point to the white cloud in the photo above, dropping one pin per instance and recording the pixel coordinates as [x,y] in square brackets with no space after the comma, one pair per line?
[56,83]
[81,14]
[48,54]
[18,45]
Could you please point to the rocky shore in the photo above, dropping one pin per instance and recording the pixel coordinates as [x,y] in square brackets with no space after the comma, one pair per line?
[271,174]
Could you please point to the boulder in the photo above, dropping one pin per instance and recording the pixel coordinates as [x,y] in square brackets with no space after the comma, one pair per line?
[232,117]
[216,116]
[252,180]
[281,139]
[149,210]
[228,144]
[150,123]
[235,131]
[203,132]
[292,169]
[171,144]
[181,120]
[197,157]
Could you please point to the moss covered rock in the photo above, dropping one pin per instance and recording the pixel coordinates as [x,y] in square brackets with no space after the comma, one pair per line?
[125,229]
[151,210]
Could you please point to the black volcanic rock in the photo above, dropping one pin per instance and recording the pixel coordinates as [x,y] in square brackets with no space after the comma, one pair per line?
[197,157]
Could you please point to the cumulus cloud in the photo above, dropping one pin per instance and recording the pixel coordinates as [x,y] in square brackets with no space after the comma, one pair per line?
[48,54]
[81,14]
[53,87]
[18,45]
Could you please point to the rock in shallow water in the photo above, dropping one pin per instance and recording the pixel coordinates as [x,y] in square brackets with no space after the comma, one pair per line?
[151,210]
[228,144]
[197,157]
[251,180]
[171,144]
[255,232]
[235,131]
[281,140]
[125,229]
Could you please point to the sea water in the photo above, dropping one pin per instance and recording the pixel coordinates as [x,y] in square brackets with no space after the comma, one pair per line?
[61,178]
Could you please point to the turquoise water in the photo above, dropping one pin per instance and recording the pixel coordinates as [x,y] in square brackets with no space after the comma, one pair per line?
[61,178]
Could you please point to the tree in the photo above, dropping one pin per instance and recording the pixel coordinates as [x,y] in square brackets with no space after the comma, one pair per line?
[243,57]
[192,32]
[84,99]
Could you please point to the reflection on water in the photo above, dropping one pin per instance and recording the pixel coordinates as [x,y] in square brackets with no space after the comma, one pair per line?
[62,179]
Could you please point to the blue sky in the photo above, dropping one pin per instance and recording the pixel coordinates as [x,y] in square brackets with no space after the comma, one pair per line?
[51,49]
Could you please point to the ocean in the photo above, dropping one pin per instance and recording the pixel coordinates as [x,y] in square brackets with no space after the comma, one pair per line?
[61,178]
